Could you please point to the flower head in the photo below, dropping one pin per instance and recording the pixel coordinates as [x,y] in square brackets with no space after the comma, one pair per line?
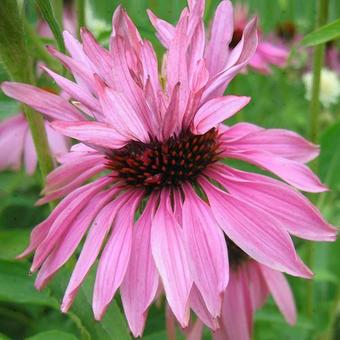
[162,154]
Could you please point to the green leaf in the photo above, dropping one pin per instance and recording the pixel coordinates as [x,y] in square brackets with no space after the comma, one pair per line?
[12,242]
[16,286]
[53,335]
[330,156]
[323,34]
[48,15]
[112,326]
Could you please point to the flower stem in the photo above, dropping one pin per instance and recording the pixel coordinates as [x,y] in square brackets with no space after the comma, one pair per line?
[318,58]
[16,59]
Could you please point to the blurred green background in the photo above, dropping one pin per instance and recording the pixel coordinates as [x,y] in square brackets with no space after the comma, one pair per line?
[278,100]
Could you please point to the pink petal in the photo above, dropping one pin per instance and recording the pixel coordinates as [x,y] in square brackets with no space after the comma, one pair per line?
[206,249]
[238,59]
[294,173]
[281,292]
[221,33]
[283,143]
[290,207]
[74,90]
[65,218]
[256,232]
[197,331]
[141,280]
[115,258]
[30,155]
[217,110]
[165,31]
[235,310]
[92,246]
[168,251]
[94,133]
[72,238]
[199,307]
[120,114]
[45,102]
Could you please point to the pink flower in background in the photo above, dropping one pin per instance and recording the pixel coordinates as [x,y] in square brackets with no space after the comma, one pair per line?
[162,154]
[16,144]
[267,53]
[250,284]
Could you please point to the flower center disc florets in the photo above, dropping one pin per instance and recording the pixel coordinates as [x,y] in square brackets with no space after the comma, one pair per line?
[170,163]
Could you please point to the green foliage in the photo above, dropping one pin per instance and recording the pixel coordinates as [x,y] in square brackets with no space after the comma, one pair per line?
[53,335]
[47,13]
[324,34]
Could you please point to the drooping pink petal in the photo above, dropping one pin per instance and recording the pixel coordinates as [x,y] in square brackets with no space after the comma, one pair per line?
[216,110]
[92,246]
[167,242]
[198,305]
[293,172]
[206,249]
[141,280]
[115,258]
[93,133]
[256,232]
[197,331]
[290,207]
[72,238]
[281,292]
[45,102]
[222,28]
[65,218]
[235,310]
[283,143]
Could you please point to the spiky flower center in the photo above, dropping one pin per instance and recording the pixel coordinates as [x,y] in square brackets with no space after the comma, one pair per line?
[158,164]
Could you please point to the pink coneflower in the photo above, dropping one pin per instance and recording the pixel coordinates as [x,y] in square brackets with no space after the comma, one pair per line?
[159,154]
[267,53]
[250,284]
[16,144]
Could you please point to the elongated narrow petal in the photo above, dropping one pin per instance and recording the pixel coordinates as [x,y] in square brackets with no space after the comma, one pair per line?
[236,310]
[281,292]
[221,33]
[216,110]
[290,207]
[141,280]
[74,90]
[115,257]
[65,218]
[283,143]
[207,252]
[165,31]
[92,246]
[294,173]
[167,242]
[45,102]
[72,238]
[199,307]
[93,133]
[256,232]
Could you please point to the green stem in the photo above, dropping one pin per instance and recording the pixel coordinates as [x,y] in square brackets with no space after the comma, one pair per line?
[80,14]
[318,58]
[16,59]
[58,8]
